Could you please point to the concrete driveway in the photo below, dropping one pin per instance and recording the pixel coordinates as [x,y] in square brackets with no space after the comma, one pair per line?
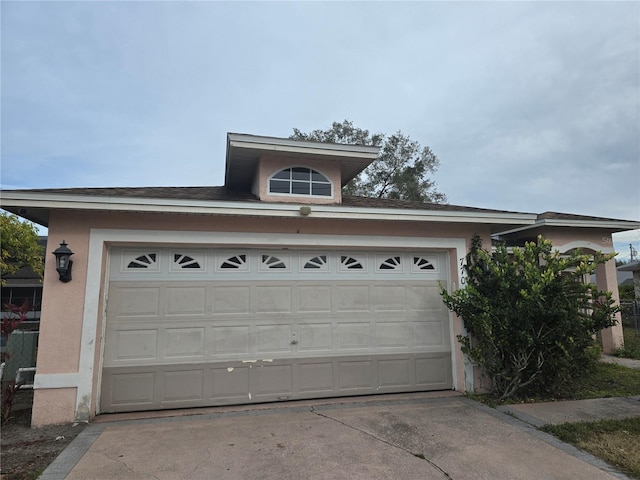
[419,436]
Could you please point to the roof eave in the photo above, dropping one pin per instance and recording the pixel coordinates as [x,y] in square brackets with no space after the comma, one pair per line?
[612,225]
[630,267]
[24,203]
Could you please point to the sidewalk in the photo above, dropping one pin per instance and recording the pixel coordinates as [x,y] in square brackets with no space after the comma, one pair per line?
[625,362]
[554,413]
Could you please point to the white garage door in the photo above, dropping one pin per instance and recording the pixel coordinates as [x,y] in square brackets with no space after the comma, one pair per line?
[204,327]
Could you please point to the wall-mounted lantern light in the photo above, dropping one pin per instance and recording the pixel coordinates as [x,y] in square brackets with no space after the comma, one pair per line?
[63,261]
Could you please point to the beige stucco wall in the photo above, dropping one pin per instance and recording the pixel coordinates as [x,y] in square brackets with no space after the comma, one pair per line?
[59,322]
[53,406]
[591,239]
[63,303]
[269,165]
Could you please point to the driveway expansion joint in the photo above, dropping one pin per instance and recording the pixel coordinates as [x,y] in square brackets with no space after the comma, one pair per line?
[382,440]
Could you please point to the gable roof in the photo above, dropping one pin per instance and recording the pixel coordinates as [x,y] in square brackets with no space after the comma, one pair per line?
[244,151]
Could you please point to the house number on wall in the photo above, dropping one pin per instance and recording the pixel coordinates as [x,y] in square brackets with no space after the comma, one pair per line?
[463,273]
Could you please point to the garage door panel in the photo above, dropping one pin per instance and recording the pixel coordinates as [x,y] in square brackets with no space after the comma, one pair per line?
[135,302]
[185,300]
[316,377]
[271,299]
[184,342]
[429,334]
[390,298]
[229,384]
[354,336]
[393,335]
[134,345]
[315,337]
[273,380]
[273,338]
[395,372]
[355,375]
[236,382]
[231,299]
[314,299]
[253,332]
[352,298]
[425,298]
[228,340]
[433,371]
[133,388]
[182,386]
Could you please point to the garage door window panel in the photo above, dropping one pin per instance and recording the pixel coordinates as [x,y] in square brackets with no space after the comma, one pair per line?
[349,263]
[391,264]
[236,262]
[144,261]
[274,262]
[315,263]
[423,264]
[192,262]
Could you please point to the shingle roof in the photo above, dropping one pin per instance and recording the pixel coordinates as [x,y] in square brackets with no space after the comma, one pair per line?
[367,202]
[221,193]
[570,216]
[224,194]
[175,193]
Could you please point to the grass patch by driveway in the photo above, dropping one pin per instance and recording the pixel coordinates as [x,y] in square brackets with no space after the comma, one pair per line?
[607,380]
[617,442]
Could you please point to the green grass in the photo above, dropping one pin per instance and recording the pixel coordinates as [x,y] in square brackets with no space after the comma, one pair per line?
[631,347]
[617,442]
[606,380]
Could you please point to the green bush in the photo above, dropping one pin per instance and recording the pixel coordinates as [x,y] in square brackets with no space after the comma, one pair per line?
[529,317]
[631,348]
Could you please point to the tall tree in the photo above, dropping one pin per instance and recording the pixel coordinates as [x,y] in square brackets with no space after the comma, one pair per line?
[401,171]
[19,247]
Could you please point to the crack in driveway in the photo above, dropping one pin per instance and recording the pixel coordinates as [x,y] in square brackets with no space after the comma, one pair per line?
[391,444]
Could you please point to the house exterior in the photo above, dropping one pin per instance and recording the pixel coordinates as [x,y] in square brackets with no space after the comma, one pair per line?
[272,287]
[24,285]
[634,269]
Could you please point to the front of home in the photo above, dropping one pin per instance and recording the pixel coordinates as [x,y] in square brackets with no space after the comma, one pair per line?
[274,287]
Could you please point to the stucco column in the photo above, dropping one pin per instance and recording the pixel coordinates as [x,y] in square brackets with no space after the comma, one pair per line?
[606,279]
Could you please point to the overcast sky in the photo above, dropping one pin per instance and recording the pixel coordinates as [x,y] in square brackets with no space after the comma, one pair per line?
[530,106]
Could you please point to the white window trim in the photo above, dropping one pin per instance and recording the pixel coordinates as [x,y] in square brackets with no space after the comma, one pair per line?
[302,195]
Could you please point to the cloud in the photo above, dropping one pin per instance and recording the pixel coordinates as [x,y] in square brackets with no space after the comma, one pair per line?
[530,106]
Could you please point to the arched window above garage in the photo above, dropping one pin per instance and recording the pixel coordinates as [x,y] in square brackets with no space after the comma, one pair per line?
[301,181]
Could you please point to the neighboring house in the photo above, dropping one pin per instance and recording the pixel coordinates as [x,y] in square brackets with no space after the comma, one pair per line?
[272,287]
[624,277]
[634,269]
[23,286]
